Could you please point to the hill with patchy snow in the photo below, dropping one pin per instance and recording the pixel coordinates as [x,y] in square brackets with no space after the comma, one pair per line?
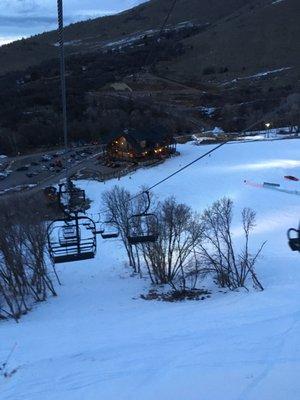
[236,39]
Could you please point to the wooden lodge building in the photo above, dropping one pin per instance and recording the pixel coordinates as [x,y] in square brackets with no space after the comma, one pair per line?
[133,145]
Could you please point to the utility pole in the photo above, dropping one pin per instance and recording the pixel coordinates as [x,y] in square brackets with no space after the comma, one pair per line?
[62,69]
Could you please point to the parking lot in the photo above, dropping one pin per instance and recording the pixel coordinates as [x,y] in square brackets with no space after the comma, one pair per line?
[40,170]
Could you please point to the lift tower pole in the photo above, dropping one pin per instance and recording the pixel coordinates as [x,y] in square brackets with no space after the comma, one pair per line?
[60,15]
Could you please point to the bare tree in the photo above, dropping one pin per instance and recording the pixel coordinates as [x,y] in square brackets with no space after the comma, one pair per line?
[170,260]
[189,246]
[24,276]
[217,252]
[119,208]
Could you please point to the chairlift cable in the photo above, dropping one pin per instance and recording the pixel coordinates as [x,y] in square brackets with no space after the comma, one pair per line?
[168,15]
[153,49]
[188,165]
[148,189]
[205,154]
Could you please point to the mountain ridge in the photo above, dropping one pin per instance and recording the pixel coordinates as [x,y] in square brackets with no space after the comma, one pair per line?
[150,15]
[240,60]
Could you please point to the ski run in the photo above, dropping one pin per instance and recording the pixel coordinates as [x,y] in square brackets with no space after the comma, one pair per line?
[99,340]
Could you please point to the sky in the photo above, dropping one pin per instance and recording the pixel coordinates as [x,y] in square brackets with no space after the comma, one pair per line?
[23,18]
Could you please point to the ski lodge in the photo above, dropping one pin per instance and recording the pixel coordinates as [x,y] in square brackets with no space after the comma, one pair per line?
[138,146]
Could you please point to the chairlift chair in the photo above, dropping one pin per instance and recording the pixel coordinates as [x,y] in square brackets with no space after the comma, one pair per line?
[294,239]
[93,216]
[100,230]
[68,235]
[143,227]
[87,224]
[96,227]
[69,240]
[109,231]
[99,226]
[96,230]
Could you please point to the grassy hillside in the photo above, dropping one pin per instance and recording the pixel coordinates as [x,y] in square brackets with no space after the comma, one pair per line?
[255,39]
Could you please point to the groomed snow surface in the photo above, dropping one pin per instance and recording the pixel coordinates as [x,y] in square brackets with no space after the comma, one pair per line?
[99,340]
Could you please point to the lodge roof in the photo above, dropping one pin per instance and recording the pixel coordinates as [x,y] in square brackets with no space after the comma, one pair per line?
[134,137]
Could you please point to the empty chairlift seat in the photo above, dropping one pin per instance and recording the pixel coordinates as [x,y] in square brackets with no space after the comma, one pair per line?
[143,228]
[294,239]
[109,231]
[69,235]
[69,239]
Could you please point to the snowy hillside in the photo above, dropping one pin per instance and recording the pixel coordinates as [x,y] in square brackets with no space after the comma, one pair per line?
[99,340]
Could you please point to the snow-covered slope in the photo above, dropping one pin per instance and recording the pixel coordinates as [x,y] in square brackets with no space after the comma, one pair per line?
[99,340]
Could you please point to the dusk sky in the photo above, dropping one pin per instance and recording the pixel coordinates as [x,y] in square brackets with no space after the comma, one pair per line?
[23,18]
